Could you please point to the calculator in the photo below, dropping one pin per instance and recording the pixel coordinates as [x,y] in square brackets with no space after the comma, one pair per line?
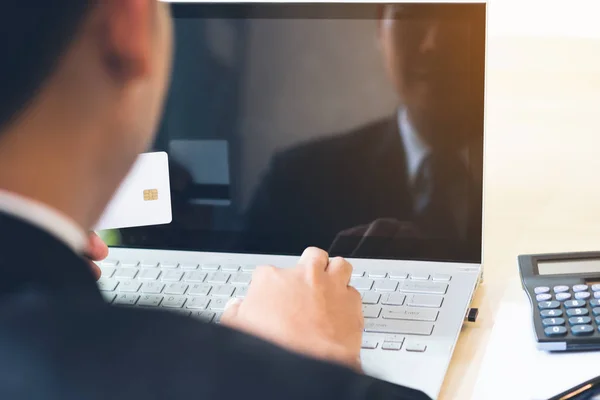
[564,293]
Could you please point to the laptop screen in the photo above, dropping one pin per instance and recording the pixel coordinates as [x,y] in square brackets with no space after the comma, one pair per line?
[357,128]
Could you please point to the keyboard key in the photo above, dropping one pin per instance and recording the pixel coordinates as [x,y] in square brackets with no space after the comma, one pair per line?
[153,287]
[597,295]
[419,277]
[416,347]
[129,263]
[574,303]
[581,330]
[110,263]
[107,285]
[248,268]
[398,275]
[183,313]
[218,277]
[172,276]
[149,264]
[411,314]
[149,274]
[127,299]
[369,344]
[371,311]
[189,266]
[399,327]
[541,289]
[580,288]
[595,288]
[553,321]
[580,320]
[176,288]
[125,273]
[377,273]
[545,305]
[206,316]
[129,286]
[563,296]
[150,300]
[109,297]
[240,292]
[210,267]
[543,297]
[424,300]
[594,303]
[223,290]
[596,311]
[173,301]
[393,299]
[217,319]
[195,276]
[199,289]
[230,267]
[241,279]
[551,313]
[555,331]
[423,287]
[561,289]
[371,298]
[442,277]
[358,273]
[582,295]
[169,265]
[597,319]
[577,312]
[391,346]
[200,302]
[107,272]
[219,303]
[385,285]
[361,283]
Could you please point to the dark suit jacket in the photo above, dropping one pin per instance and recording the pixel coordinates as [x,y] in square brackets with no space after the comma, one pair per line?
[326,186]
[59,340]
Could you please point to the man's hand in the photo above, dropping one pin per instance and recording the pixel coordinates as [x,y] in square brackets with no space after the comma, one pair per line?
[309,309]
[97,250]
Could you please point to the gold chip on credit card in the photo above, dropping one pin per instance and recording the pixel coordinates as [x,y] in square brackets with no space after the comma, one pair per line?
[150,194]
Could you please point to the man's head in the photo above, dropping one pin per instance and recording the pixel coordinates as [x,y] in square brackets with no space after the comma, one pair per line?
[427,54]
[83,83]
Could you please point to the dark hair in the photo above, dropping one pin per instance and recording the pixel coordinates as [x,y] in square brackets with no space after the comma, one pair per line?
[34,34]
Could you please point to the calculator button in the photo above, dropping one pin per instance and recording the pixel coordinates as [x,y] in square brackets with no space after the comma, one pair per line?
[563,296]
[595,303]
[555,321]
[574,303]
[582,329]
[561,289]
[580,288]
[582,295]
[556,331]
[551,313]
[543,297]
[579,320]
[596,311]
[576,312]
[545,305]
[596,287]
[541,289]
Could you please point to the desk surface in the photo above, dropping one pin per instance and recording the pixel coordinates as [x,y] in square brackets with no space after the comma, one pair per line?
[542,163]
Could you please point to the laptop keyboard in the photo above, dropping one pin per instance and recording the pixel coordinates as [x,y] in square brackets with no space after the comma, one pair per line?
[394,303]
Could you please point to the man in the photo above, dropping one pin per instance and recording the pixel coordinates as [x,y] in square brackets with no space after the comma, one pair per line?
[414,177]
[83,85]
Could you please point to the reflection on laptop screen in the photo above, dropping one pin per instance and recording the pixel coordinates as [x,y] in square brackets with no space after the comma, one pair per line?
[357,128]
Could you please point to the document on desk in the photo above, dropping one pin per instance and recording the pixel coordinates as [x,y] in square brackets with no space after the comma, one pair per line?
[513,368]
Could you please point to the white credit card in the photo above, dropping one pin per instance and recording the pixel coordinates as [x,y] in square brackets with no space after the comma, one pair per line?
[144,197]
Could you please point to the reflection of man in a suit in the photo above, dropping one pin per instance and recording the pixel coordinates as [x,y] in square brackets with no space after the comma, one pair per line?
[420,168]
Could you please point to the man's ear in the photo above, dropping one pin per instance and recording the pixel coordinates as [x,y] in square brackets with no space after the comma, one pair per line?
[127,36]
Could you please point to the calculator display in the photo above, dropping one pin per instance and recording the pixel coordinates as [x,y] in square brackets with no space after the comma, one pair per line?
[568,267]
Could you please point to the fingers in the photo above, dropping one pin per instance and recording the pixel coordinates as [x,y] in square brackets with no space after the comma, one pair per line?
[314,258]
[97,250]
[341,270]
[95,270]
[231,311]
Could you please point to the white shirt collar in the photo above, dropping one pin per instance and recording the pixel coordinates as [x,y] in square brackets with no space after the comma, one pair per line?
[416,149]
[45,218]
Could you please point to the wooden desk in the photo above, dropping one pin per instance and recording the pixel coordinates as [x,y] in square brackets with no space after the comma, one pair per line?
[542,172]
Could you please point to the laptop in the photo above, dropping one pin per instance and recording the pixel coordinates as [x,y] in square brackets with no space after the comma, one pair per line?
[356,128]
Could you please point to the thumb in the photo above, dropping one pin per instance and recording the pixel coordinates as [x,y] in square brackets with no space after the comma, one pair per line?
[231,310]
